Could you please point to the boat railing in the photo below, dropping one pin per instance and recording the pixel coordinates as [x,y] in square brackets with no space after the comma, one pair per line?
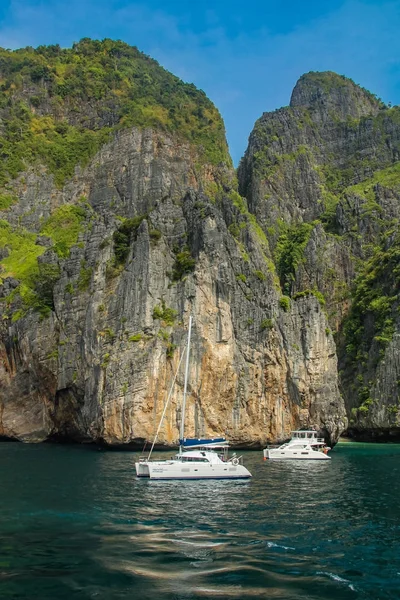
[298,440]
[236,460]
[313,439]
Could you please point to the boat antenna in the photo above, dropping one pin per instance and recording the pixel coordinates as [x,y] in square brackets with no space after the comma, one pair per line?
[167,402]
[182,431]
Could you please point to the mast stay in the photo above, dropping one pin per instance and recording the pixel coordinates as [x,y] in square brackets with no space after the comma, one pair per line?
[167,402]
[182,431]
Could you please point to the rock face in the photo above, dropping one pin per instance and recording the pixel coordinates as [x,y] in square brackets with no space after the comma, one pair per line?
[323,178]
[104,259]
[99,367]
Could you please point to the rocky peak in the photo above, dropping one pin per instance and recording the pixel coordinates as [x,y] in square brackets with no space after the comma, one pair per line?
[333,95]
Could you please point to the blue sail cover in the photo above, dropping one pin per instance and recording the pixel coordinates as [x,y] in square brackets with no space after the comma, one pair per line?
[194,443]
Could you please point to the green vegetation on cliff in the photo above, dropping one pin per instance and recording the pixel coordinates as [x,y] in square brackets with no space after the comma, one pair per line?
[124,235]
[329,81]
[290,252]
[6,201]
[389,177]
[22,251]
[371,323]
[33,140]
[58,106]
[63,227]
[375,293]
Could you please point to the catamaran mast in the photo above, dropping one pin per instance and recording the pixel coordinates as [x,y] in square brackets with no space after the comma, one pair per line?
[166,404]
[182,431]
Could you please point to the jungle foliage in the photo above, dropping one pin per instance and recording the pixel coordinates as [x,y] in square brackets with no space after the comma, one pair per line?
[59,105]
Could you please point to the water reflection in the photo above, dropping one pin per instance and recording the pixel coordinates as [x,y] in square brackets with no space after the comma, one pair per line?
[77,524]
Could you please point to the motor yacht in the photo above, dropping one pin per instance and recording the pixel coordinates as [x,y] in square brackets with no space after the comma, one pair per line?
[303,445]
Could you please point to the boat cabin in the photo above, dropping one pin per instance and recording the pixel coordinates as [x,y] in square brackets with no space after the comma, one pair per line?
[203,454]
[211,449]
[306,436]
[193,458]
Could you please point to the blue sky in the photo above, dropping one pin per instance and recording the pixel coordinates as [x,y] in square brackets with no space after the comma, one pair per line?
[246,55]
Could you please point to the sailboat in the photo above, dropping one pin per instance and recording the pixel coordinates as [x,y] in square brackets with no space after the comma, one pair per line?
[197,458]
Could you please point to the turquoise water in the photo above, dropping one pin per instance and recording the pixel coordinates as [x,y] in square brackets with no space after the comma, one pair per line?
[76,524]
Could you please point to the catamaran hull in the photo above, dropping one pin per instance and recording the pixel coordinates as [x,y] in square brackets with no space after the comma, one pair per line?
[142,469]
[179,470]
[306,455]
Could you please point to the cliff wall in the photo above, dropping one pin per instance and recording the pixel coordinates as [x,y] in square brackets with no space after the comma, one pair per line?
[99,364]
[322,177]
[120,216]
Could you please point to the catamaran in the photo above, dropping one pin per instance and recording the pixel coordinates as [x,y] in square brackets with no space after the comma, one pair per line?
[197,458]
[304,445]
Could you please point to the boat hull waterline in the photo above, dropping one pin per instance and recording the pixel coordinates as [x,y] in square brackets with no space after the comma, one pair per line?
[312,455]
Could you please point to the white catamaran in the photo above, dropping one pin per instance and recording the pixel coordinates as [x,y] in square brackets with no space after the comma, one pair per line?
[197,458]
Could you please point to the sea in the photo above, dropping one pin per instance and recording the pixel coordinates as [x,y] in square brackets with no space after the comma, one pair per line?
[76,524]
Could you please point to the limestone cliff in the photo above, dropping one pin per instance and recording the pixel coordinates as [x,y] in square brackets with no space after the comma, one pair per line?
[107,251]
[323,178]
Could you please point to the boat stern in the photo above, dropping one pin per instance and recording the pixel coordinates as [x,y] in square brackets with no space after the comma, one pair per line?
[142,469]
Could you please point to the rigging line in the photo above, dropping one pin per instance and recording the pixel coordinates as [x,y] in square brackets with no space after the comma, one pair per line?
[182,429]
[167,402]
